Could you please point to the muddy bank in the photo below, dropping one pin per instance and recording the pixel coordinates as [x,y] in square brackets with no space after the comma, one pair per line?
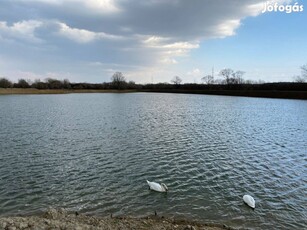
[61,219]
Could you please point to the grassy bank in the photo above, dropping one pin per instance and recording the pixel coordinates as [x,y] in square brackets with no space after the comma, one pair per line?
[286,94]
[57,91]
[60,219]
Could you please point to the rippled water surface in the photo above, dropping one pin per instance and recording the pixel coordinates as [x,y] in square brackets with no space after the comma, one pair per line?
[94,152]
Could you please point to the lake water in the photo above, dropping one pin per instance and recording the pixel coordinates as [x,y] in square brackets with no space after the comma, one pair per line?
[94,152]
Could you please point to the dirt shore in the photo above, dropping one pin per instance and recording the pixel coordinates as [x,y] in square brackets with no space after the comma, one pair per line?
[61,219]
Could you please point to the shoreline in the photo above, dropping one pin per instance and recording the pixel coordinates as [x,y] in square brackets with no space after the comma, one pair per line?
[62,219]
[10,91]
[281,94]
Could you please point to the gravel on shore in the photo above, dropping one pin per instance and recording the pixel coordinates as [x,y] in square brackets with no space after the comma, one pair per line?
[61,219]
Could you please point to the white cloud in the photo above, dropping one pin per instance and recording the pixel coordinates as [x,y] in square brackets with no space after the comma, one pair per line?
[167,49]
[25,31]
[168,61]
[254,9]
[181,45]
[102,5]
[54,2]
[83,36]
[153,41]
[226,28]
[195,72]
[98,6]
[20,30]
[166,43]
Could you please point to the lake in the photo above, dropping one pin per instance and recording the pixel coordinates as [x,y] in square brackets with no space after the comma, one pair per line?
[94,152]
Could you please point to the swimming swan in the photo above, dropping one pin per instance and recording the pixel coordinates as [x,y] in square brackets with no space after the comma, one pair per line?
[157,187]
[249,200]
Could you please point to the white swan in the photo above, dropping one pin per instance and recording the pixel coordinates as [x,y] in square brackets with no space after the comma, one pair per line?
[157,187]
[249,200]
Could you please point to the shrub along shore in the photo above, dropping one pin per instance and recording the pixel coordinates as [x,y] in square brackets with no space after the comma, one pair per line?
[274,92]
[8,91]
[243,93]
[232,85]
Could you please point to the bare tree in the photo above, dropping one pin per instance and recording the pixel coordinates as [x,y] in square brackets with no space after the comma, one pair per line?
[232,77]
[298,79]
[208,79]
[219,81]
[238,77]
[226,73]
[304,71]
[303,77]
[118,80]
[176,80]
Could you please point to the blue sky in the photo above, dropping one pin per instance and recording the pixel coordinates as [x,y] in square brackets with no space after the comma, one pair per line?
[270,47]
[149,41]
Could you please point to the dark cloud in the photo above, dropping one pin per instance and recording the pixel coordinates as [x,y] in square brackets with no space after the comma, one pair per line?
[119,32]
[183,19]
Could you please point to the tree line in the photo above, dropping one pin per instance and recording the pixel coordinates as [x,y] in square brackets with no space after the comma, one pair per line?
[230,80]
[118,82]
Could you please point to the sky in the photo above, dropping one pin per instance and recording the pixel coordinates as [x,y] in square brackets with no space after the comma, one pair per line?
[151,41]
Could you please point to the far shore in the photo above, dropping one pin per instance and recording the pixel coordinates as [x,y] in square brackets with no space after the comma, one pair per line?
[7,91]
[61,219]
[283,94]
[301,95]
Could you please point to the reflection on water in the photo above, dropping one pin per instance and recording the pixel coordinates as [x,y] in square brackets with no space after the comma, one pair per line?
[94,153]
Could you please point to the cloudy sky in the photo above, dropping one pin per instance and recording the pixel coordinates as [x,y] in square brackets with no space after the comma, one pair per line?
[149,40]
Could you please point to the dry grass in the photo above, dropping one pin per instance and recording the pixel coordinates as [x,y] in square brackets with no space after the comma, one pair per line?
[57,91]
